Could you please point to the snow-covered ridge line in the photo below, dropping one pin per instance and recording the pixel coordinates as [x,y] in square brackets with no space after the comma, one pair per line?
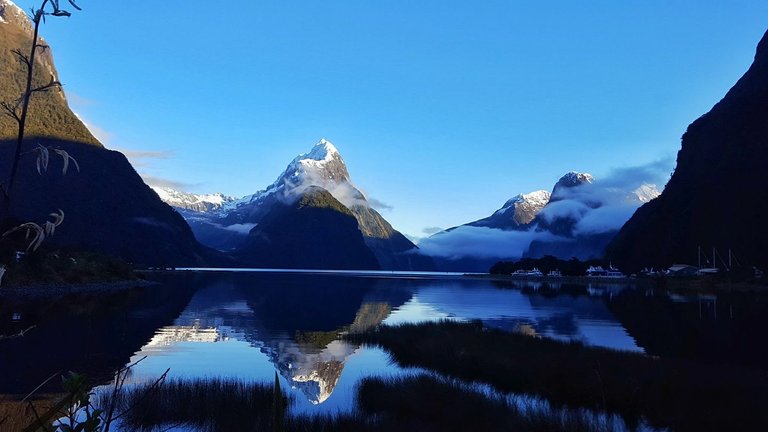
[190,201]
[321,166]
[538,198]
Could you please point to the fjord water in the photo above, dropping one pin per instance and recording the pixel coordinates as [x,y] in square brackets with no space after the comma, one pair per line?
[247,325]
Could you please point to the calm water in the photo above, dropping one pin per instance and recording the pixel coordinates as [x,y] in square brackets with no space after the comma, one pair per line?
[248,325]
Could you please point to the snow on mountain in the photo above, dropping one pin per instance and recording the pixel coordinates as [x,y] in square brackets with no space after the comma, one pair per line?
[530,203]
[190,201]
[646,192]
[570,180]
[11,13]
[322,166]
[226,223]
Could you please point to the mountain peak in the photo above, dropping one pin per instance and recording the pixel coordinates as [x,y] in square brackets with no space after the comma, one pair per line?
[324,149]
[570,180]
[574,178]
[539,197]
[319,167]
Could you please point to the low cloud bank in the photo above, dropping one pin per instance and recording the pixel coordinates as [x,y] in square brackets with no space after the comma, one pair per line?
[342,191]
[599,207]
[481,242]
[241,228]
[608,203]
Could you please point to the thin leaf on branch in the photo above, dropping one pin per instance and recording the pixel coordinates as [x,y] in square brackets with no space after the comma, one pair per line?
[66,157]
[42,158]
[31,228]
[36,232]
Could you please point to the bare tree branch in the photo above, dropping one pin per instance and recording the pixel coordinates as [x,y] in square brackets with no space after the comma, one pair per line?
[53,83]
[21,56]
[11,110]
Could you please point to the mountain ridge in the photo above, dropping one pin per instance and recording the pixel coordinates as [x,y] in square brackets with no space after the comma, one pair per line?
[722,154]
[108,207]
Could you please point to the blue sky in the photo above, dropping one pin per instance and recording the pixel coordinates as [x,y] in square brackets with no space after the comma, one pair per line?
[441,109]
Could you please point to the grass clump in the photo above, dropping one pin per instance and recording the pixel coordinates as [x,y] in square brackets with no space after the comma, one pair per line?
[206,404]
[422,402]
[667,392]
[428,403]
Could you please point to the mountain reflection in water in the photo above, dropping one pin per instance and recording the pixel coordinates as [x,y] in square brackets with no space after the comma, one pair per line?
[292,323]
[247,325]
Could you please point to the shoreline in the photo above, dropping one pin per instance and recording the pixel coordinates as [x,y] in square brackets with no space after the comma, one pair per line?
[701,284]
[562,279]
[56,290]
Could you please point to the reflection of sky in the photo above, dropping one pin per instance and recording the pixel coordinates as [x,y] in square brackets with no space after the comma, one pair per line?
[219,335]
[414,311]
[234,359]
[583,318]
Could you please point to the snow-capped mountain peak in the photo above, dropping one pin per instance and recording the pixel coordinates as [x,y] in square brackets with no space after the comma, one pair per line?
[539,197]
[525,207]
[322,163]
[322,166]
[568,181]
[575,178]
[324,150]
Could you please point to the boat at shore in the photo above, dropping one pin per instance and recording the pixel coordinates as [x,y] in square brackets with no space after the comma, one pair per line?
[535,272]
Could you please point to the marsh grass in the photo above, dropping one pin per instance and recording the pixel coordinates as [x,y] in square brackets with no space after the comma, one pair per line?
[667,392]
[429,403]
[206,404]
[421,402]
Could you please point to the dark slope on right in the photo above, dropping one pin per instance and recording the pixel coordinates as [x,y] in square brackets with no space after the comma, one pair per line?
[718,194]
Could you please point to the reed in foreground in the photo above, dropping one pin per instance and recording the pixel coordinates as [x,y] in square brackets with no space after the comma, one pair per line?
[205,404]
[421,402]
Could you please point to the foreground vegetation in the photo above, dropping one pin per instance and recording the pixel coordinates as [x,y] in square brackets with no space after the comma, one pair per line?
[683,395]
[419,403]
[62,266]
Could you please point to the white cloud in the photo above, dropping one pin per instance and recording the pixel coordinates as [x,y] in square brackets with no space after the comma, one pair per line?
[379,205]
[481,242]
[599,207]
[166,183]
[243,228]
[607,203]
[605,219]
[432,230]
